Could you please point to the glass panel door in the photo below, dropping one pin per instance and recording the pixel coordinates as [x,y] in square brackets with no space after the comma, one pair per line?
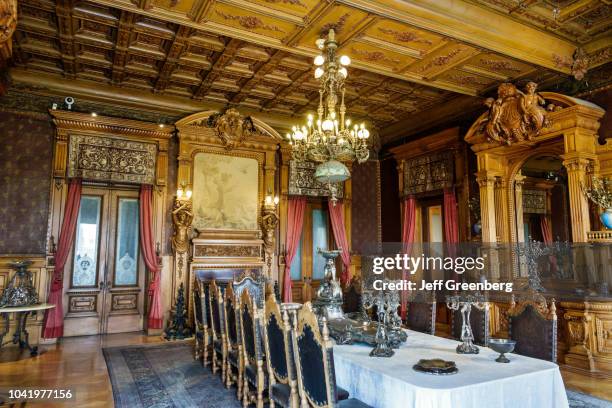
[126,255]
[85,262]
[320,239]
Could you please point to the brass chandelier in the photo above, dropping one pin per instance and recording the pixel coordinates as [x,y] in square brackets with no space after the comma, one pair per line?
[330,139]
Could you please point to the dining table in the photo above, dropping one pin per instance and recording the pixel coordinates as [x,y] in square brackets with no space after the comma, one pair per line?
[481,382]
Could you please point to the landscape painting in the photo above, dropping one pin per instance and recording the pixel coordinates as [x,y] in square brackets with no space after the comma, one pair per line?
[225,192]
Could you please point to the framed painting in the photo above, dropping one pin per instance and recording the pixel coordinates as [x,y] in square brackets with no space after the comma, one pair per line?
[225,192]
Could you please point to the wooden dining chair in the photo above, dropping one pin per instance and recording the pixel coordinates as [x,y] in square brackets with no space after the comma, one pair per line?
[533,325]
[314,359]
[234,364]
[421,314]
[479,322]
[254,375]
[219,341]
[282,383]
[199,322]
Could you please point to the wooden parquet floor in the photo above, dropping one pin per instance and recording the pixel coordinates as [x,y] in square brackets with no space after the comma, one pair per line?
[77,363]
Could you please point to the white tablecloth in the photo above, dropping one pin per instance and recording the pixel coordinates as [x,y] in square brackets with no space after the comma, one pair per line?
[480,383]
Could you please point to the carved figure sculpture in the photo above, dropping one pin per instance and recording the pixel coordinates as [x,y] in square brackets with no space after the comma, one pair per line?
[182,216]
[515,116]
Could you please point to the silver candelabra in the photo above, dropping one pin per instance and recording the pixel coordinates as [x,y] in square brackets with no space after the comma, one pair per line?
[464,303]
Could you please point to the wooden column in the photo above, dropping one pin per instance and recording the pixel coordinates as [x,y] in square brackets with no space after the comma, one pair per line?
[520,268]
[486,182]
[501,209]
[576,166]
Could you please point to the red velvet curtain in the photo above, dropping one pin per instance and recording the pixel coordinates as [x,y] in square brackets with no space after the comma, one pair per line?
[336,215]
[409,226]
[548,239]
[147,247]
[451,222]
[295,220]
[53,324]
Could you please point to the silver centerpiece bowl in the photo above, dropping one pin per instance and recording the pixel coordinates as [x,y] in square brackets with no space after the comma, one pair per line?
[502,346]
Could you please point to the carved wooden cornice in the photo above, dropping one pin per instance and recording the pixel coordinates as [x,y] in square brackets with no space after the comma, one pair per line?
[116,126]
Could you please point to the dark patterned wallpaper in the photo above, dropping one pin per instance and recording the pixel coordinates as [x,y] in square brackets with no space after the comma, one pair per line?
[365,207]
[26,143]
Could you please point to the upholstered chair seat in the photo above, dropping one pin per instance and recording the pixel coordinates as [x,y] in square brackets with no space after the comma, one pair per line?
[251,375]
[341,393]
[281,394]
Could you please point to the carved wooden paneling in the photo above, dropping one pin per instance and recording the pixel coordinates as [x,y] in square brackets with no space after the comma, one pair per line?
[303,183]
[83,303]
[239,251]
[109,159]
[124,302]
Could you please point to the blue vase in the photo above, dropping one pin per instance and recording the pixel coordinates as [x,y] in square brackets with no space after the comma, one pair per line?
[477,227]
[606,218]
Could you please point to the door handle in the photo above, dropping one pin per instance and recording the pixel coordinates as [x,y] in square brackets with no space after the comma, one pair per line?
[101,285]
[108,284]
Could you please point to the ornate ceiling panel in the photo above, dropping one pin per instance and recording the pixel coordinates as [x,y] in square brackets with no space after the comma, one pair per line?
[577,20]
[257,54]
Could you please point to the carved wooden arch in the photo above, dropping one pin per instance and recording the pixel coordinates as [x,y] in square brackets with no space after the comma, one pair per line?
[200,117]
[570,132]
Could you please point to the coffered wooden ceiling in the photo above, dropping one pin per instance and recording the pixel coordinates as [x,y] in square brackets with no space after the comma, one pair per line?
[257,55]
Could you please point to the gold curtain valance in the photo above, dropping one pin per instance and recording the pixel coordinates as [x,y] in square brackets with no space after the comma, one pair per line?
[110,159]
[428,173]
[303,183]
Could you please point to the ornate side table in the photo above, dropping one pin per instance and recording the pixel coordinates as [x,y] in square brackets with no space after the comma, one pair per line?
[21,335]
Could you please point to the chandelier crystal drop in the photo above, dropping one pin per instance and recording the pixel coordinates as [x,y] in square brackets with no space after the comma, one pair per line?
[330,136]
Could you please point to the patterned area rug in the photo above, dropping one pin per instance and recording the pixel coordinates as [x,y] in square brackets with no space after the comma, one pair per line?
[164,375]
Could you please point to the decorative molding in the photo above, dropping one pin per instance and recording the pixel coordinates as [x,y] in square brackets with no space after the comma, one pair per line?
[249,22]
[429,173]
[226,250]
[109,159]
[303,183]
[405,36]
[374,56]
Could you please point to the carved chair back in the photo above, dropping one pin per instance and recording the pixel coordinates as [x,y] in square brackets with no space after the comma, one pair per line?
[479,322]
[352,297]
[421,314]
[198,307]
[313,353]
[216,311]
[231,321]
[251,335]
[277,335]
[255,285]
[533,325]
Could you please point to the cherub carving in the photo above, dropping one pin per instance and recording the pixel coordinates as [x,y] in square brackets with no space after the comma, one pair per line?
[182,216]
[232,128]
[514,116]
[534,116]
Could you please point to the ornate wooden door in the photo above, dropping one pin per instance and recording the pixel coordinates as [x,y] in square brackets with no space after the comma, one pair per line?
[104,279]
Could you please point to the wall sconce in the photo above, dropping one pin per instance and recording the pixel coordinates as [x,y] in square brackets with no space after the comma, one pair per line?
[182,193]
[271,200]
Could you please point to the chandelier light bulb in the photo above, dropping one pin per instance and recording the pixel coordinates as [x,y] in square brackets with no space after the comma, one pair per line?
[318,73]
[319,60]
[345,60]
[366,133]
[348,123]
[342,71]
[327,125]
